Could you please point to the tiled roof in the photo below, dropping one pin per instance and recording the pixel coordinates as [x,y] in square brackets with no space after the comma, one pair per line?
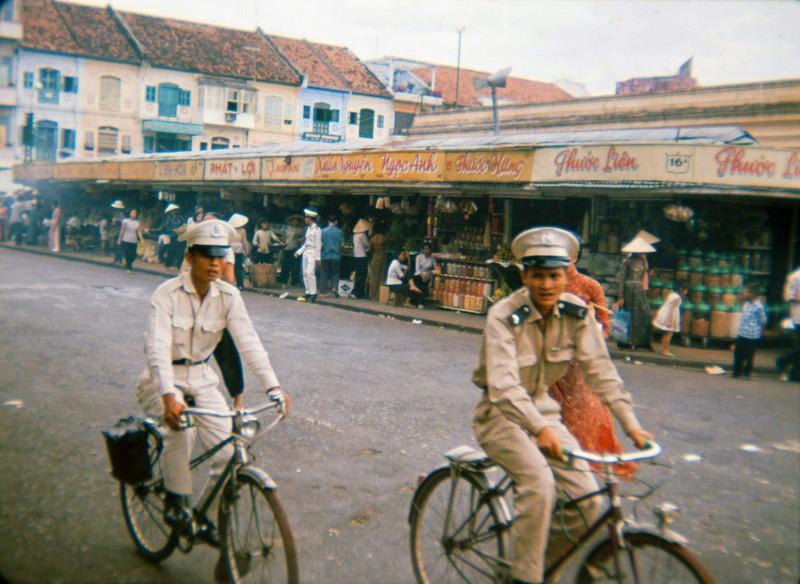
[357,75]
[329,67]
[517,89]
[74,30]
[188,46]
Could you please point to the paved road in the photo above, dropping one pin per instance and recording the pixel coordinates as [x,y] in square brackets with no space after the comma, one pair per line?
[376,402]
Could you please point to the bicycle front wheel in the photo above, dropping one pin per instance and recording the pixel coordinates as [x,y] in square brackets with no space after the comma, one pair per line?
[143,508]
[648,559]
[456,534]
[256,537]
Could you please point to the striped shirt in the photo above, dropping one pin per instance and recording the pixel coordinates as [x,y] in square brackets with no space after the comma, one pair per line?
[753,320]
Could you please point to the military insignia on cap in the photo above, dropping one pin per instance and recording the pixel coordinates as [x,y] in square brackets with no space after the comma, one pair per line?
[216,230]
[548,238]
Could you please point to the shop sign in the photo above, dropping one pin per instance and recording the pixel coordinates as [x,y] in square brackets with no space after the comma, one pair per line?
[233,169]
[488,166]
[86,170]
[601,162]
[287,168]
[345,167]
[137,170]
[738,165]
[409,166]
[26,172]
[179,170]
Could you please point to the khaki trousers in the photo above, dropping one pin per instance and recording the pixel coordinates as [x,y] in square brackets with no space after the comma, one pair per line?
[537,485]
[201,383]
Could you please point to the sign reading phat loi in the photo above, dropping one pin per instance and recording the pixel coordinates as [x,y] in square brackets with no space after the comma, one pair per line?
[703,164]
[179,170]
[488,166]
[287,168]
[409,166]
[233,169]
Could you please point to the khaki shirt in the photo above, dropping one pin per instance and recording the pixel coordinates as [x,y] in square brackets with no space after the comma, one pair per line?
[519,363]
[181,327]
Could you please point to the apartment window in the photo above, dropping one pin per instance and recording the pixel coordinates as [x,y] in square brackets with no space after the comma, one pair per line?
[365,125]
[125,147]
[239,101]
[7,71]
[273,108]
[46,142]
[185,98]
[380,121]
[203,145]
[27,80]
[353,121]
[51,82]
[70,84]
[168,95]
[109,93]
[306,112]
[88,140]
[219,143]
[68,139]
[150,93]
[149,144]
[107,140]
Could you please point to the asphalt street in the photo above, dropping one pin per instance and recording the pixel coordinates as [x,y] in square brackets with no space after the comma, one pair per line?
[376,403]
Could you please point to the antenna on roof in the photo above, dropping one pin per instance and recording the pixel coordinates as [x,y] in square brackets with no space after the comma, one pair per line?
[495,80]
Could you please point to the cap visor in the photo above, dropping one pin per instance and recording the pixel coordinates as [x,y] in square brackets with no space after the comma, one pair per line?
[211,251]
[544,262]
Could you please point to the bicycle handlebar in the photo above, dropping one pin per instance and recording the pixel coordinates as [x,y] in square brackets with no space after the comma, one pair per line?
[276,401]
[651,451]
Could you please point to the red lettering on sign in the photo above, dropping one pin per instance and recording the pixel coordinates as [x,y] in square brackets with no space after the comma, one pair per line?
[792,166]
[619,161]
[568,161]
[731,162]
[501,166]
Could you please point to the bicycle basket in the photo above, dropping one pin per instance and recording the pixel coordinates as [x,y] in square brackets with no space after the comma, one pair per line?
[129,450]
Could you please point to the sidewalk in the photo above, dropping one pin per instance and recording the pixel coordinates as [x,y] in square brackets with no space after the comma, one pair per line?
[692,357]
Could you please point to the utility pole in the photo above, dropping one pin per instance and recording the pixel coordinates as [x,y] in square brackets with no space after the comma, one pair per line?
[458,64]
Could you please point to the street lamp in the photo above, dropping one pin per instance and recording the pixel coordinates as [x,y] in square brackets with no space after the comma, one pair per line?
[495,80]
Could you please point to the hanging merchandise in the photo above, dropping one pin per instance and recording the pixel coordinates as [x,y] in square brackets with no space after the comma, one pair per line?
[678,213]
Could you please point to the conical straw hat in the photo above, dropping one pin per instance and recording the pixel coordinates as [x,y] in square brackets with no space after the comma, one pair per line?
[638,245]
[648,237]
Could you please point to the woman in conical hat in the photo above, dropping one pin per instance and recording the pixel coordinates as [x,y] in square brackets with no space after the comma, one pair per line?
[633,282]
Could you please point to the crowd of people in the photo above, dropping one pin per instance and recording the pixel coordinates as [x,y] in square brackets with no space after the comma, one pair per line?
[303,255]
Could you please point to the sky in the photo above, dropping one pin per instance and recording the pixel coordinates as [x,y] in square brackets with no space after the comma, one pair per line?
[595,43]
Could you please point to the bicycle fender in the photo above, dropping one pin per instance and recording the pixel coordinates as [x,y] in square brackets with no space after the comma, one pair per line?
[420,489]
[259,475]
[668,534]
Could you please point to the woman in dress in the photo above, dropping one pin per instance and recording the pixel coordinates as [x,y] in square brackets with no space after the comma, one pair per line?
[582,412]
[54,235]
[632,280]
[668,317]
[377,262]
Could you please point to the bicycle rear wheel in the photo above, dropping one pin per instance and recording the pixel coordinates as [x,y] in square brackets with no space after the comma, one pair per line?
[465,546]
[143,508]
[256,538]
[649,559]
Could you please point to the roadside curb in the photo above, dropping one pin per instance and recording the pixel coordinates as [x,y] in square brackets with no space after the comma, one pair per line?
[638,357]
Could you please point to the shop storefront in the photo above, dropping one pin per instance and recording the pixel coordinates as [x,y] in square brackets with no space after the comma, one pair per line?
[724,214]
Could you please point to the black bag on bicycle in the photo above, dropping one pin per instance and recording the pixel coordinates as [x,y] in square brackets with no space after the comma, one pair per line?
[129,450]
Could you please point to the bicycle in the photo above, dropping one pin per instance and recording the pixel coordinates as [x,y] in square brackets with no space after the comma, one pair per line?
[254,531]
[460,529]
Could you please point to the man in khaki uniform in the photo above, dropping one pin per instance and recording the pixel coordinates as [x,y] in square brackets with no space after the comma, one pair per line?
[187,317]
[528,343]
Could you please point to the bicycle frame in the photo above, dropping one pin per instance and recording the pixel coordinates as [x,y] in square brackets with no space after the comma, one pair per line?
[613,517]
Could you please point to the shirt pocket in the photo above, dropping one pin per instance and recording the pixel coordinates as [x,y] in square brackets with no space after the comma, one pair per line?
[181,330]
[561,354]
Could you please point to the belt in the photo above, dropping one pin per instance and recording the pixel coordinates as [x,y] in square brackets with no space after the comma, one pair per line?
[189,362]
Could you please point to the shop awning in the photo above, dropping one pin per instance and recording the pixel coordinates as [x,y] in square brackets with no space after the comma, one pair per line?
[168,127]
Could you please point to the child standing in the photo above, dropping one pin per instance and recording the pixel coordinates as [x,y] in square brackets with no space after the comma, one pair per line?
[751,329]
[668,317]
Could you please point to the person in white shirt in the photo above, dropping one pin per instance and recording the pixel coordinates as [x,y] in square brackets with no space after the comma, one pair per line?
[396,276]
[187,317]
[311,250]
